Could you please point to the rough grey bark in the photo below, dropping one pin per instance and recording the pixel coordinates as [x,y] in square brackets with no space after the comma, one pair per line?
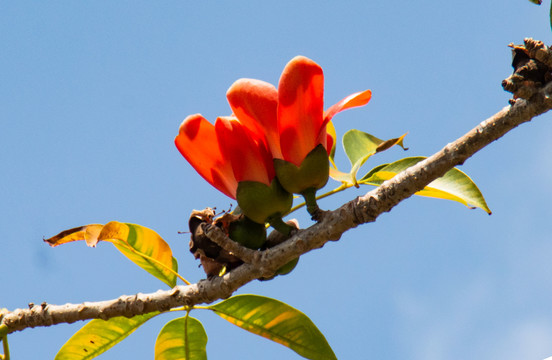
[333,224]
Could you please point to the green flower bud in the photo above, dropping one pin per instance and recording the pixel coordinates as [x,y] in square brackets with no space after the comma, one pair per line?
[247,232]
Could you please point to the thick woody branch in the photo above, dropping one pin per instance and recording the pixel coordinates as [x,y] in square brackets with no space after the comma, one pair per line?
[219,237]
[333,224]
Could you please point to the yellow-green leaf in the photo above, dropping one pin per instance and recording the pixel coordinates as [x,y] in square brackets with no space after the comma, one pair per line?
[359,147]
[144,247]
[98,336]
[340,176]
[182,339]
[455,185]
[141,245]
[276,321]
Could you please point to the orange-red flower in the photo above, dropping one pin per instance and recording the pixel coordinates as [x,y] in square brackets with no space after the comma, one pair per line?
[294,123]
[291,117]
[284,127]
[226,153]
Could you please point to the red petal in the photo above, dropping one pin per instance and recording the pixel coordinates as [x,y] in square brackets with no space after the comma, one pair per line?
[300,108]
[354,100]
[197,142]
[255,103]
[357,99]
[247,155]
[329,143]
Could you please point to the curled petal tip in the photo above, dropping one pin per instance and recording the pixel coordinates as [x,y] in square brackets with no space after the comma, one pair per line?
[247,85]
[190,125]
[254,102]
[300,59]
[360,98]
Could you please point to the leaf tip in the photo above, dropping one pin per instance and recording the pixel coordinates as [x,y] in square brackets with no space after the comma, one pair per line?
[48,241]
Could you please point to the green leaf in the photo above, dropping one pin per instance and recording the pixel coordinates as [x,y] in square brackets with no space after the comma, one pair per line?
[454,185]
[359,146]
[181,339]
[144,247]
[141,245]
[98,336]
[538,2]
[276,321]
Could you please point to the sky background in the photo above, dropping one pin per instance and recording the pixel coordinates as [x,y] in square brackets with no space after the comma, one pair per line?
[91,97]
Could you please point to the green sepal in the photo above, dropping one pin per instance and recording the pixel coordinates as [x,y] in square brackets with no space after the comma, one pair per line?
[248,233]
[258,201]
[313,172]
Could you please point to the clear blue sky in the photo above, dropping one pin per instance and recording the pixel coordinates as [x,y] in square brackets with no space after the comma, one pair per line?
[91,97]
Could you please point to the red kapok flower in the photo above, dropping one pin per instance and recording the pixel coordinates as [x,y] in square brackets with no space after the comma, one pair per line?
[293,121]
[231,157]
[287,125]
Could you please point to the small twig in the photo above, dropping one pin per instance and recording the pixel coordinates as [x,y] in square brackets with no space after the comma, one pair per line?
[6,347]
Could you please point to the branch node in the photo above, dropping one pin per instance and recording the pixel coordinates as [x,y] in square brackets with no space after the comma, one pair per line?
[532,63]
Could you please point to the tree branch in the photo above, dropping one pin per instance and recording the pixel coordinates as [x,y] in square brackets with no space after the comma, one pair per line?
[219,237]
[361,210]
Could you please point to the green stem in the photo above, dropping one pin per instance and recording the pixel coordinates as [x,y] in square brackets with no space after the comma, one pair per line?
[310,199]
[6,355]
[331,192]
[277,223]
[182,308]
